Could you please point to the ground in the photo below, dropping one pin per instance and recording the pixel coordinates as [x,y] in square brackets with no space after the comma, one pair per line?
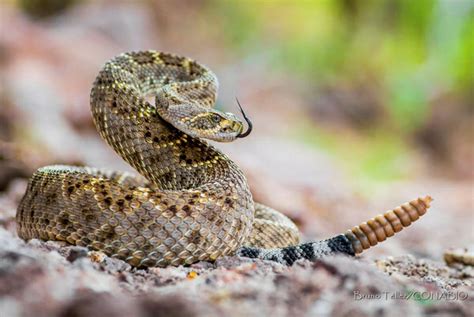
[52,279]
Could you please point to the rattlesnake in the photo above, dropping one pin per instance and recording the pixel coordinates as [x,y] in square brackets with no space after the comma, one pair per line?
[190,201]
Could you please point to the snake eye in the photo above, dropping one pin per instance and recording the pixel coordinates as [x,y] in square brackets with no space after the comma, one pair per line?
[216,118]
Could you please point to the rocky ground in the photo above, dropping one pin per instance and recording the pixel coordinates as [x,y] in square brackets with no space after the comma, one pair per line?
[51,279]
[47,279]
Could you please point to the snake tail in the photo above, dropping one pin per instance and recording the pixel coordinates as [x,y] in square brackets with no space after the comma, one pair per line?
[353,242]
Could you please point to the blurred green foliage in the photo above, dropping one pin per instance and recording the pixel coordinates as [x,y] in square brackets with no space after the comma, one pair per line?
[412,51]
[414,48]
[39,9]
[369,159]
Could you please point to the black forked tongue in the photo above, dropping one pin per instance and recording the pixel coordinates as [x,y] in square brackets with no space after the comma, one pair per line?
[249,123]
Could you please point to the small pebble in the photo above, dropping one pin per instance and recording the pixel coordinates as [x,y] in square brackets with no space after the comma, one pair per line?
[76,253]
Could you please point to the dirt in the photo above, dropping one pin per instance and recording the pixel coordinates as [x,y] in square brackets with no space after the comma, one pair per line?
[53,279]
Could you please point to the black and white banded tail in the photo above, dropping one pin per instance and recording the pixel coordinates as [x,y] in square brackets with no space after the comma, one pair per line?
[353,242]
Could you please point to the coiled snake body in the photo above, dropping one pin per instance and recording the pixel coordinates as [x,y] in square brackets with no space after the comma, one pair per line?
[190,201]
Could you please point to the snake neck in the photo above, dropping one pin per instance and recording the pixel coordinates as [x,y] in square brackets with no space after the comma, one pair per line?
[167,157]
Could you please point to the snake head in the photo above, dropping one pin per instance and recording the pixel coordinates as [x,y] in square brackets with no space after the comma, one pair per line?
[211,124]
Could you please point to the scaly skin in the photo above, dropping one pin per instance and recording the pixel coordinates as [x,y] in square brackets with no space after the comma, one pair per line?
[191,202]
[353,242]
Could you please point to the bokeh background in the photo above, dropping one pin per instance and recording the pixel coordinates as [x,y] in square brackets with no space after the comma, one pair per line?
[358,106]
